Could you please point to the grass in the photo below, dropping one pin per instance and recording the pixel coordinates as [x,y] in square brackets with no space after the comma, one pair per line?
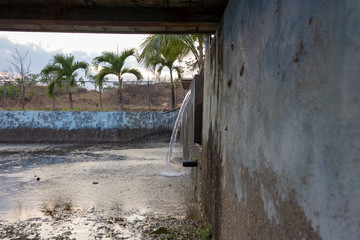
[176,229]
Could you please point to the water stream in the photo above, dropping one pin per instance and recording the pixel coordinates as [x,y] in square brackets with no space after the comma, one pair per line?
[169,171]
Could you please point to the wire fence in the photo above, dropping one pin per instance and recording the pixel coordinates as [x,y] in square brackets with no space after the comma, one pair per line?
[137,96]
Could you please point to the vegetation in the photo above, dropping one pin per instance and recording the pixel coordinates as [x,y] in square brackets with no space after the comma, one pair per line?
[12,92]
[98,83]
[20,66]
[172,228]
[50,90]
[63,71]
[196,45]
[112,63]
[136,98]
[160,50]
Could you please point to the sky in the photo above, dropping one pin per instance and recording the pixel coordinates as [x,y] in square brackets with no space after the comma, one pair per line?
[43,46]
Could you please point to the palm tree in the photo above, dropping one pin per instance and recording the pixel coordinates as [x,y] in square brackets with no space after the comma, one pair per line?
[65,70]
[195,42]
[114,64]
[98,83]
[159,51]
[50,90]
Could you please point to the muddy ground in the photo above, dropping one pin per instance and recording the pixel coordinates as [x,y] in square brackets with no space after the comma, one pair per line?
[95,192]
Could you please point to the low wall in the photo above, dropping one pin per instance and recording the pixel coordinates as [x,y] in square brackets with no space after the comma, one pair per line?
[31,126]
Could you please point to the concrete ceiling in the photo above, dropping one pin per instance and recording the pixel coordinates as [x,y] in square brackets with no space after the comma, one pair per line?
[112,16]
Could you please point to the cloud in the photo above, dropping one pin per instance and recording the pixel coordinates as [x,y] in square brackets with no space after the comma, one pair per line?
[39,56]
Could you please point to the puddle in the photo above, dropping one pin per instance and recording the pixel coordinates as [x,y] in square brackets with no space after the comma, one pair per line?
[94,192]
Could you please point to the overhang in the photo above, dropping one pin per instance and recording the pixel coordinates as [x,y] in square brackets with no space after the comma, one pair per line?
[111,16]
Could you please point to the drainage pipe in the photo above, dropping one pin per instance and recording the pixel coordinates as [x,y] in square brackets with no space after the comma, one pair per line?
[190,164]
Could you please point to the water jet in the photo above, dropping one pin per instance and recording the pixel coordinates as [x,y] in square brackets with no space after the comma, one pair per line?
[176,129]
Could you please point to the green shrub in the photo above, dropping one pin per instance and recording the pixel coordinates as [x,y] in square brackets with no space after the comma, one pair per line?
[12,92]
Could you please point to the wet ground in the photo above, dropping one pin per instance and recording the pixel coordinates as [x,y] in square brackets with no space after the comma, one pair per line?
[95,192]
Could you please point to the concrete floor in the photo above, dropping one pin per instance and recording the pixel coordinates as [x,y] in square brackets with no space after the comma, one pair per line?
[84,192]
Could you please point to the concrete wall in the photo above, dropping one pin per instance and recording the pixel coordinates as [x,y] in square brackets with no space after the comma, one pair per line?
[281,128]
[82,126]
[192,119]
[191,122]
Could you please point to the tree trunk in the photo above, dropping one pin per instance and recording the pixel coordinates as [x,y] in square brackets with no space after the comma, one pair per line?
[70,100]
[23,96]
[121,104]
[201,55]
[4,95]
[53,102]
[172,90]
[100,99]
[148,92]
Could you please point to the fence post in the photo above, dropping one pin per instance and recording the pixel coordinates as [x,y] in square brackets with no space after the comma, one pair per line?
[5,95]
[148,90]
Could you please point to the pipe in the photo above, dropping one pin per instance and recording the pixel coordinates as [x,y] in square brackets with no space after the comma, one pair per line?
[190,164]
[172,110]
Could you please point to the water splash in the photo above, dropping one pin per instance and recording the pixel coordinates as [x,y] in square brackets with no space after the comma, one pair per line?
[173,173]
[169,171]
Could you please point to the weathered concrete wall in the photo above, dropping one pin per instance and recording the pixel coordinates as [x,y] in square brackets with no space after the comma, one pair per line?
[281,129]
[192,118]
[191,121]
[82,126]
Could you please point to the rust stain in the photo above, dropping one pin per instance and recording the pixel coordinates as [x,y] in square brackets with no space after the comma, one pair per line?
[299,52]
[247,218]
[242,70]
[229,82]
[310,21]
[211,184]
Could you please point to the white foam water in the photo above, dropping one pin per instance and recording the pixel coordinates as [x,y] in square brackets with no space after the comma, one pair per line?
[173,173]
[170,172]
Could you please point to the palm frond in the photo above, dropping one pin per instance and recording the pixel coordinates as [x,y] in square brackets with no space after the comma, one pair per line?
[114,63]
[161,49]
[160,68]
[125,54]
[179,71]
[64,69]
[104,72]
[50,90]
[81,65]
[134,72]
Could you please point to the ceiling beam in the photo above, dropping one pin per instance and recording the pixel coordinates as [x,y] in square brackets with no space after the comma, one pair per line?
[109,19]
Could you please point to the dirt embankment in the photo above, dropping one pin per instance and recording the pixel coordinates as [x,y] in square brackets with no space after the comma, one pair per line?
[136,98]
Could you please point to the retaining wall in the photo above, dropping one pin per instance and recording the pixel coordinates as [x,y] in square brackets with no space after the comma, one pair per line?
[281,123]
[32,126]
